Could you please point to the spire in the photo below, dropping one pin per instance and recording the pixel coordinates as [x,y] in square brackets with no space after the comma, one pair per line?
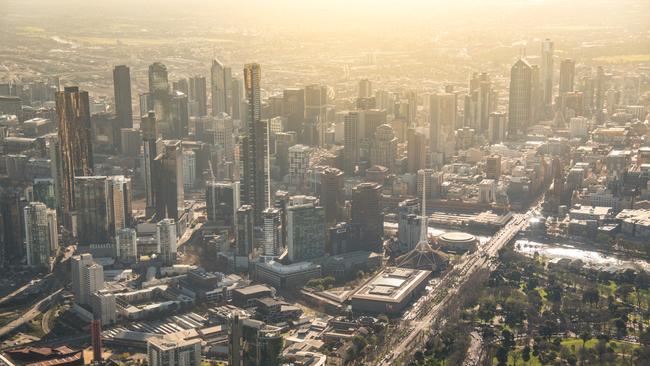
[423,246]
[423,221]
[268,164]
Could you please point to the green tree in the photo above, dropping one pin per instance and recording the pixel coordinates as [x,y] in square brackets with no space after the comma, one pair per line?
[591,296]
[508,339]
[487,309]
[525,354]
[502,356]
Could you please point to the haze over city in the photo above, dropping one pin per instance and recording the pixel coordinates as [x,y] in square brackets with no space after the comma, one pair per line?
[218,182]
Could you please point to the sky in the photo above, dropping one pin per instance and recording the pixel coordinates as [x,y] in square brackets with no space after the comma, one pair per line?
[328,15]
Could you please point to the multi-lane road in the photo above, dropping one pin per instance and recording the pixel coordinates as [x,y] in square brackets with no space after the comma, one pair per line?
[28,316]
[420,317]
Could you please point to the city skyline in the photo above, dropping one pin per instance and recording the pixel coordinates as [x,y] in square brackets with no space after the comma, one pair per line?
[325,183]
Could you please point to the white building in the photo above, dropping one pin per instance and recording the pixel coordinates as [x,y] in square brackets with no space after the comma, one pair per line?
[487,190]
[299,156]
[272,232]
[224,136]
[277,124]
[434,182]
[173,350]
[167,241]
[189,169]
[578,127]
[87,277]
[41,235]
[104,307]
[126,244]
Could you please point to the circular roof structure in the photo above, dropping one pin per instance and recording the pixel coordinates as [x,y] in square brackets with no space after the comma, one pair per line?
[456,237]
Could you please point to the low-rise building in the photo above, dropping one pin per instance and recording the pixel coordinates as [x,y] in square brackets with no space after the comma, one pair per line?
[635,223]
[390,290]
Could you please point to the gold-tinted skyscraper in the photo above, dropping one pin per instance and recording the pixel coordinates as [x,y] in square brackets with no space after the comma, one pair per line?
[567,76]
[547,71]
[122,90]
[159,94]
[519,104]
[254,144]
[75,146]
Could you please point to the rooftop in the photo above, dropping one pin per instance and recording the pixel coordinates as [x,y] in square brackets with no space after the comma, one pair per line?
[392,284]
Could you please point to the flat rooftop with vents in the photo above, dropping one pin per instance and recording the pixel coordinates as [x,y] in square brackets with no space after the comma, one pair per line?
[390,290]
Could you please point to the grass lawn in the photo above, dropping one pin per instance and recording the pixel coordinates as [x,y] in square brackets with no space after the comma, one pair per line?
[574,344]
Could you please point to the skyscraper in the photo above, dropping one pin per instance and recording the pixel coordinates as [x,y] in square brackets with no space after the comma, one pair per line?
[222,202]
[11,224]
[41,236]
[299,156]
[331,194]
[252,343]
[567,76]
[480,101]
[600,94]
[126,245]
[169,183]
[273,232]
[352,121]
[221,88]
[44,191]
[497,127]
[121,196]
[237,92]
[149,136]
[493,167]
[293,107]
[245,234]
[198,94]
[102,207]
[179,116]
[316,111]
[92,213]
[224,136]
[122,90]
[167,241]
[189,169]
[367,211]
[383,148]
[75,146]
[519,103]
[442,120]
[365,88]
[412,99]
[159,94]
[254,144]
[305,232]
[415,150]
[87,277]
[547,71]
[536,95]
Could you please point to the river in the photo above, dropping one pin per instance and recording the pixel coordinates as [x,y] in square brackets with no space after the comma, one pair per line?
[591,258]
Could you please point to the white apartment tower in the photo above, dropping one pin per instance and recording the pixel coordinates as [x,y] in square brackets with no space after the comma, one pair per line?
[167,241]
[41,236]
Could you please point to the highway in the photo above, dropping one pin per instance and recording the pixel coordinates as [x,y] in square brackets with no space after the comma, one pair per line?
[422,315]
[28,316]
[25,287]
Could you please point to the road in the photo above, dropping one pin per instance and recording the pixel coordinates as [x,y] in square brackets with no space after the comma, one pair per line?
[23,288]
[28,316]
[422,315]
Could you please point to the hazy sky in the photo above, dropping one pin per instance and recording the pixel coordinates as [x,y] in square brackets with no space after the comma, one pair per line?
[388,15]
